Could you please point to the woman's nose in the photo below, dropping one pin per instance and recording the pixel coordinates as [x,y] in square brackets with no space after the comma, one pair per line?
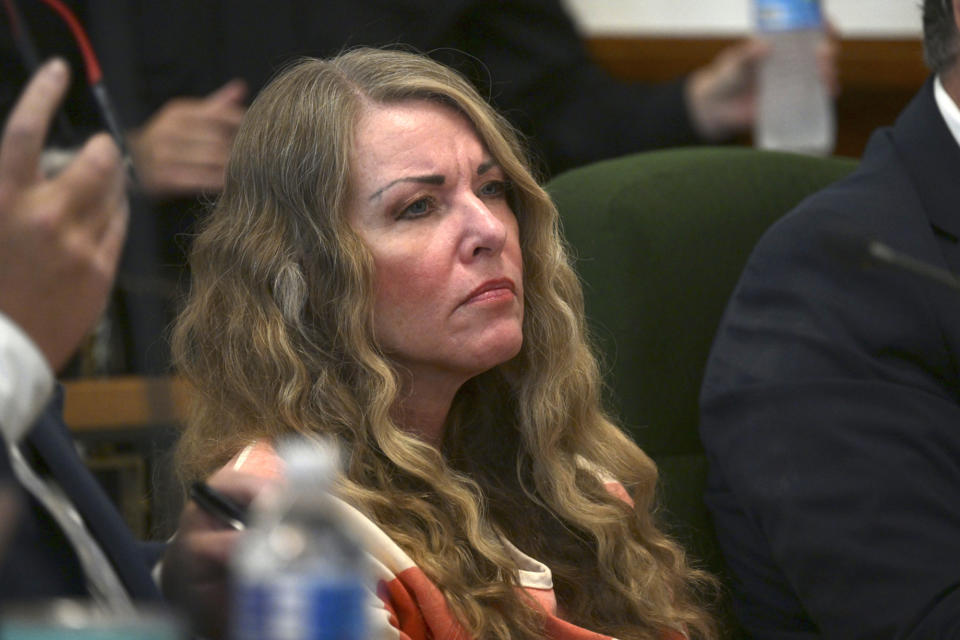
[484,230]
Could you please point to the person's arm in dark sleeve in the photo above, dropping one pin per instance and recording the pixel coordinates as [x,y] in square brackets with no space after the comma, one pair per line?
[532,61]
[831,417]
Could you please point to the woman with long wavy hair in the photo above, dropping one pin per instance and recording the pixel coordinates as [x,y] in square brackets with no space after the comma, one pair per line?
[382,268]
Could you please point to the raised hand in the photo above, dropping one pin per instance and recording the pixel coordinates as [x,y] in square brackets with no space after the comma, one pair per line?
[183,148]
[60,237]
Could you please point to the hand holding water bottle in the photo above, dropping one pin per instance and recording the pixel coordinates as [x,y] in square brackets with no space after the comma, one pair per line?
[794,102]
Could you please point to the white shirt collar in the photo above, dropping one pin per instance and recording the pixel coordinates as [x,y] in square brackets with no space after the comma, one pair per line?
[948,108]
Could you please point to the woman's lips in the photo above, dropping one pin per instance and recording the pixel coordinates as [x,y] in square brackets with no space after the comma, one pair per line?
[492,290]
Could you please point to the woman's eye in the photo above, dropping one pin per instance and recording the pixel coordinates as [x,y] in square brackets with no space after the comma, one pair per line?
[416,209]
[493,188]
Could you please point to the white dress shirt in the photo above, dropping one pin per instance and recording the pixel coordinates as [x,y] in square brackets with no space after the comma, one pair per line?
[26,381]
[948,108]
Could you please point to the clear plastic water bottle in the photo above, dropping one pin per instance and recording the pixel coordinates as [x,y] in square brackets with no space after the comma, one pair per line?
[297,574]
[794,107]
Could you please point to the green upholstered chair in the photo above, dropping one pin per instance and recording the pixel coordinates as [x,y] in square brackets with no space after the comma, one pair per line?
[659,240]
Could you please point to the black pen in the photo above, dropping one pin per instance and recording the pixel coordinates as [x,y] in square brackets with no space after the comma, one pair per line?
[218,505]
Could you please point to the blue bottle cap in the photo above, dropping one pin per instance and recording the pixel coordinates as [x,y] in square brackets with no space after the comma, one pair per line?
[788,15]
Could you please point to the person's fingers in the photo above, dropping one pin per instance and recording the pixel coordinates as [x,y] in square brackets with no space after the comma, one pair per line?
[187,118]
[191,119]
[201,150]
[742,58]
[196,568]
[193,126]
[227,119]
[828,52]
[115,232]
[193,519]
[225,106]
[27,126]
[188,179]
[214,548]
[211,157]
[240,486]
[94,174]
[233,92]
[754,49]
[830,30]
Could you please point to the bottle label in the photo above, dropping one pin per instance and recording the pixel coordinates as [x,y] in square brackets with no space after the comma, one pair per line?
[300,607]
[788,15]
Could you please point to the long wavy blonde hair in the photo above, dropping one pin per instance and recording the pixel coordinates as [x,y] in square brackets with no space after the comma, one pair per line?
[276,337]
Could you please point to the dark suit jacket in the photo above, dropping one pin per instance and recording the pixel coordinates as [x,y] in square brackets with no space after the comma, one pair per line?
[831,407]
[39,561]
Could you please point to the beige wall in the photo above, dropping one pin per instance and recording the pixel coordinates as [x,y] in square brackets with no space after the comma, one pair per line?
[854,18]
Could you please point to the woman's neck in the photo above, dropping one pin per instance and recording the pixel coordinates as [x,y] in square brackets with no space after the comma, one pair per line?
[423,407]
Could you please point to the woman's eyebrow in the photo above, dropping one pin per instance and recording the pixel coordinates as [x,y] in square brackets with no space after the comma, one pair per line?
[428,179]
[434,179]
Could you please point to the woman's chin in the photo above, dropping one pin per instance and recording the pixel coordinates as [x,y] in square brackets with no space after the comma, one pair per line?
[498,353]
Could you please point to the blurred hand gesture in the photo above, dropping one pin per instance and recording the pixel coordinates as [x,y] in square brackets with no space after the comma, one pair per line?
[60,237]
[183,148]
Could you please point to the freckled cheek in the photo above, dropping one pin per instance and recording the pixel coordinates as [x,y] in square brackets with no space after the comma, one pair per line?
[405,288]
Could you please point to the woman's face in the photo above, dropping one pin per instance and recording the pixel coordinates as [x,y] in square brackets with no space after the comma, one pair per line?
[430,204]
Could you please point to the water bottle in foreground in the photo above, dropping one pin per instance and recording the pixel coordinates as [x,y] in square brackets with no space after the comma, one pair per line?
[794,107]
[296,573]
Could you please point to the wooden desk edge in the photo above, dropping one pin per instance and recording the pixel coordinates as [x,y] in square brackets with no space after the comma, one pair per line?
[128,402]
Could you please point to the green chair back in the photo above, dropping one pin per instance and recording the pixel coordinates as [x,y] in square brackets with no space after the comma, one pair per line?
[659,240]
